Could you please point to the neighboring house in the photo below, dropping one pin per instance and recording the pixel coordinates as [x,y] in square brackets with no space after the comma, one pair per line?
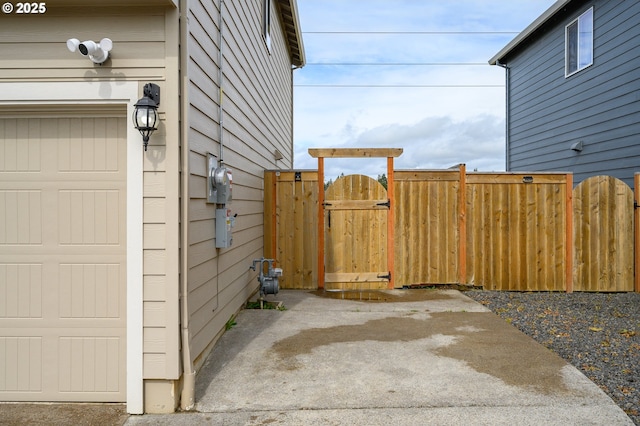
[573,91]
[112,287]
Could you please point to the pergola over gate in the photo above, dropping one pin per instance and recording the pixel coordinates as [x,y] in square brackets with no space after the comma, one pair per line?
[356,205]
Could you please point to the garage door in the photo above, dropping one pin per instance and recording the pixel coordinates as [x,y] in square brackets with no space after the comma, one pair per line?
[62,255]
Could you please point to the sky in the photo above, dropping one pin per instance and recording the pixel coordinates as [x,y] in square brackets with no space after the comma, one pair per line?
[409,74]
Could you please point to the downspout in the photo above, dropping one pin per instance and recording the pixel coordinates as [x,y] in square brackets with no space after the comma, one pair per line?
[507,121]
[187,398]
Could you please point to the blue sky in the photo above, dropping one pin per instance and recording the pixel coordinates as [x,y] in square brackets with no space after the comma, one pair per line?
[440,100]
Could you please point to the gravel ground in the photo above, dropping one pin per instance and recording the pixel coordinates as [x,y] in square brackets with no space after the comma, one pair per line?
[597,333]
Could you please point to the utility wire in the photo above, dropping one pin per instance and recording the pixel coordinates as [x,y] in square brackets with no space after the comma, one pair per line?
[416,32]
[410,86]
[399,64]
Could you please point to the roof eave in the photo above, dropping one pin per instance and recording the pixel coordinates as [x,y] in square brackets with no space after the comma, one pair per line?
[106,3]
[533,27]
[293,34]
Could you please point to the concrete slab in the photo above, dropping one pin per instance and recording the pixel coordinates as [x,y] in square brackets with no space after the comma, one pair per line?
[419,356]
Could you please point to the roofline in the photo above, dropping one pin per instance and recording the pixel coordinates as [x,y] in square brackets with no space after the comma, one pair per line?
[106,3]
[293,33]
[533,27]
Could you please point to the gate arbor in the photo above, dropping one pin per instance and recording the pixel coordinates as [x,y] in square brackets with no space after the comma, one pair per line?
[355,225]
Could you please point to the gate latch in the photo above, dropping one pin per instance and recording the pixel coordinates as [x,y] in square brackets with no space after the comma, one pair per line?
[388,204]
[387,277]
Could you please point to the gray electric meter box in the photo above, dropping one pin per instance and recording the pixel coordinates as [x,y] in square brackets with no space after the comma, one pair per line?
[220,186]
[224,223]
[224,183]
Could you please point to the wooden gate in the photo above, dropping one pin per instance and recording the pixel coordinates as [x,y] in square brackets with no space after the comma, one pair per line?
[603,210]
[356,211]
[349,267]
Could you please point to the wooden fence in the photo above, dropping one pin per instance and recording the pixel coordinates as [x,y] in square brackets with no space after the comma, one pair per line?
[499,231]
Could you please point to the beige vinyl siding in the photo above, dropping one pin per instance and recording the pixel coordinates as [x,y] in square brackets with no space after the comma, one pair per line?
[161,228]
[145,39]
[41,52]
[63,254]
[257,105]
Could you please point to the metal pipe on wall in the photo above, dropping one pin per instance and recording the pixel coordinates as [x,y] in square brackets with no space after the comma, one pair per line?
[220,80]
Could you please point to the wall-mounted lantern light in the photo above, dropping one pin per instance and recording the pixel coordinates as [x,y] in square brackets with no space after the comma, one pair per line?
[145,115]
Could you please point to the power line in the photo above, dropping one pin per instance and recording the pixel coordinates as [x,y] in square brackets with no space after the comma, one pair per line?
[415,32]
[400,64]
[400,86]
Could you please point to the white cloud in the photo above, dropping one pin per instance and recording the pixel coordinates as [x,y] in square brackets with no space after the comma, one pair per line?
[432,143]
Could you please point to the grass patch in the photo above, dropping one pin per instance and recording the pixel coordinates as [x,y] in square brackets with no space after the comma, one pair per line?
[265,305]
[231,323]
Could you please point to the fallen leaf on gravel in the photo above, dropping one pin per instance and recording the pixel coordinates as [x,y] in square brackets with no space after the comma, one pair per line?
[626,390]
[595,328]
[628,333]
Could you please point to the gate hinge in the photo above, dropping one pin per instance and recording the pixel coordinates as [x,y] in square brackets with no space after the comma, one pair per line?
[388,276]
[635,204]
[326,204]
[388,204]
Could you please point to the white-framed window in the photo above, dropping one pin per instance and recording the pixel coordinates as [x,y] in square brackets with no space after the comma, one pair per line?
[266,23]
[579,43]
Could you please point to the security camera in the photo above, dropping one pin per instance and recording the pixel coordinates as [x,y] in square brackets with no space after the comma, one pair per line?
[97,52]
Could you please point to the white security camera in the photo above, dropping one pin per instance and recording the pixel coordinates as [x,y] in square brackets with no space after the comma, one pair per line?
[97,52]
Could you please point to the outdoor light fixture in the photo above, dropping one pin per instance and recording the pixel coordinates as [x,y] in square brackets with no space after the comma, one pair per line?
[145,115]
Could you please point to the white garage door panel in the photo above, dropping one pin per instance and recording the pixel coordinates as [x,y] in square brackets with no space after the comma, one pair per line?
[63,259]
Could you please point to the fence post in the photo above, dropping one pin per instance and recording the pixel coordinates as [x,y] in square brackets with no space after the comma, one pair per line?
[462,225]
[391,223]
[636,245]
[320,223]
[270,203]
[569,236]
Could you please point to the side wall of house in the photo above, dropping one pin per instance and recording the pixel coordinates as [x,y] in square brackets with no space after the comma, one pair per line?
[598,105]
[257,120]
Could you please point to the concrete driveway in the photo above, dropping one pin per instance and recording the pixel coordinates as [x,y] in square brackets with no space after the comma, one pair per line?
[418,357]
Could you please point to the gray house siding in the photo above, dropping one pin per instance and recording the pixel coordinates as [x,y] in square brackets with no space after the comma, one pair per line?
[599,105]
